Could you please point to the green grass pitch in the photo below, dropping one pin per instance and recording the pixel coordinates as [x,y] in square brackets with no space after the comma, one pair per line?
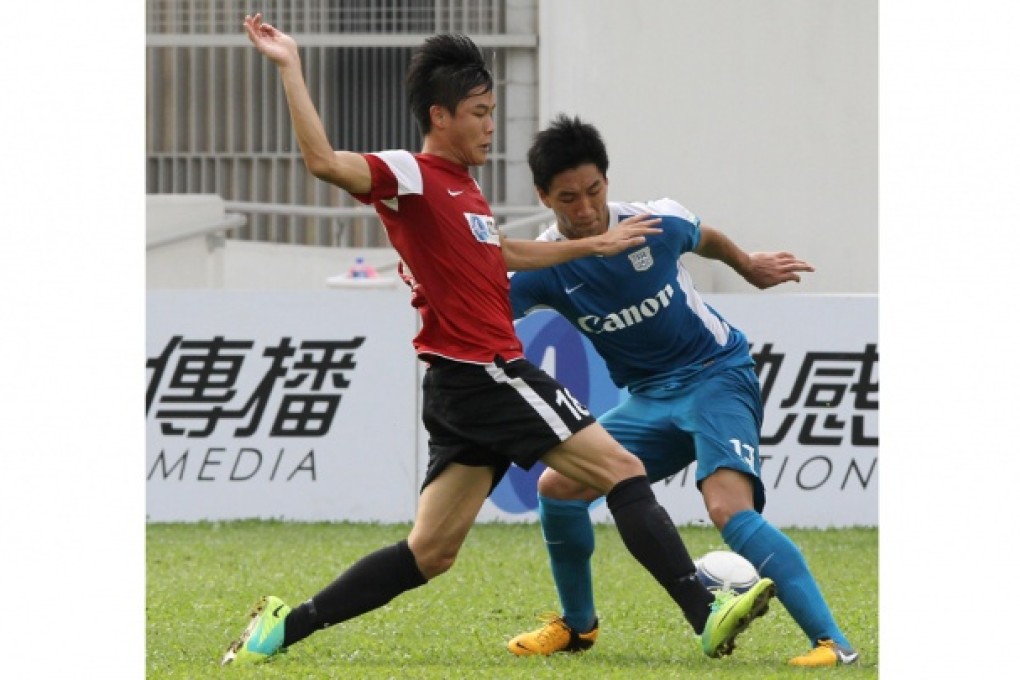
[201,580]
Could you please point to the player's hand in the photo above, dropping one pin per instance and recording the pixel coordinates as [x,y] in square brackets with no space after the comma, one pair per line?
[628,233]
[279,47]
[769,269]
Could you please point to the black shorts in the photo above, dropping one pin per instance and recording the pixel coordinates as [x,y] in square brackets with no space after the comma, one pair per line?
[495,414]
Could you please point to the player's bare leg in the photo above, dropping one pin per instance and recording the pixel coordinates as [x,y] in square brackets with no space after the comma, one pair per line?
[726,492]
[594,459]
[447,509]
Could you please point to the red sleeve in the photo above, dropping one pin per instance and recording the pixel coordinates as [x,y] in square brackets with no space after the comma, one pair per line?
[384,183]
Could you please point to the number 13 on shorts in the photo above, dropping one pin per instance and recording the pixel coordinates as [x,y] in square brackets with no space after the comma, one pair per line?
[745,452]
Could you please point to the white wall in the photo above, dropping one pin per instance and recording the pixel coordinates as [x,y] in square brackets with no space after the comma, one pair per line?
[181,251]
[186,248]
[252,265]
[761,117]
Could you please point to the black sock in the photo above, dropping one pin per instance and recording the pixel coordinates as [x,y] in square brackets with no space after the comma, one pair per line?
[652,538]
[370,583]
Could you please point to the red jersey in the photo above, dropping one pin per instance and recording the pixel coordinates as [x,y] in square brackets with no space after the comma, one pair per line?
[442,227]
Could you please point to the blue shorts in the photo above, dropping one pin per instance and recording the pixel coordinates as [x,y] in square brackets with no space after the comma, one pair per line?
[714,420]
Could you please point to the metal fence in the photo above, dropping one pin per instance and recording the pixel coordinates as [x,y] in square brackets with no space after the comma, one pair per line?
[328,16]
[217,118]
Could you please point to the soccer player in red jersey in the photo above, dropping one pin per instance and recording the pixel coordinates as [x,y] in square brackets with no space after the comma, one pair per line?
[484,405]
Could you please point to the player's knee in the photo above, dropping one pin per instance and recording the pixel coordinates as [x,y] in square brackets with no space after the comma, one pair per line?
[726,493]
[722,508]
[720,514]
[433,559]
[552,484]
[619,465]
[628,464]
[434,563]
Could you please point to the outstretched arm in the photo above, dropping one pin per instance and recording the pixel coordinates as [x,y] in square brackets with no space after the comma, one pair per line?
[760,269]
[345,169]
[521,254]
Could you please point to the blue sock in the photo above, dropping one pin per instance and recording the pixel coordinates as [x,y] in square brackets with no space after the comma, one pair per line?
[775,556]
[570,540]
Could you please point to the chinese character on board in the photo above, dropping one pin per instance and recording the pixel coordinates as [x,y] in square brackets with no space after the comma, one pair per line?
[202,379]
[823,382]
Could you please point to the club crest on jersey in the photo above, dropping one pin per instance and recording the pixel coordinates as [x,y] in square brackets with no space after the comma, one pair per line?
[483,228]
[641,259]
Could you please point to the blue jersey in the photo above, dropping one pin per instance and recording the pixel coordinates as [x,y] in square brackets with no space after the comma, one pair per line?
[639,308]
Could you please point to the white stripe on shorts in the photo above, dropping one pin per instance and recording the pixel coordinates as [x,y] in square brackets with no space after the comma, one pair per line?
[543,409]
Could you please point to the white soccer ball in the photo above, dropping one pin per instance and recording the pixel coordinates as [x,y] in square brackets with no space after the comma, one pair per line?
[726,570]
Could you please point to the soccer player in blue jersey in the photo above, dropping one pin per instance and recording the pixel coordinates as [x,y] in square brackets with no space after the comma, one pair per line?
[693,391]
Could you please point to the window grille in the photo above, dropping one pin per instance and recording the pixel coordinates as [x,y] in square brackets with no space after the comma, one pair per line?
[217,119]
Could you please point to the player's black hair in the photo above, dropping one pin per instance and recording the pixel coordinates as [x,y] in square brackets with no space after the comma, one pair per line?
[566,144]
[446,69]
